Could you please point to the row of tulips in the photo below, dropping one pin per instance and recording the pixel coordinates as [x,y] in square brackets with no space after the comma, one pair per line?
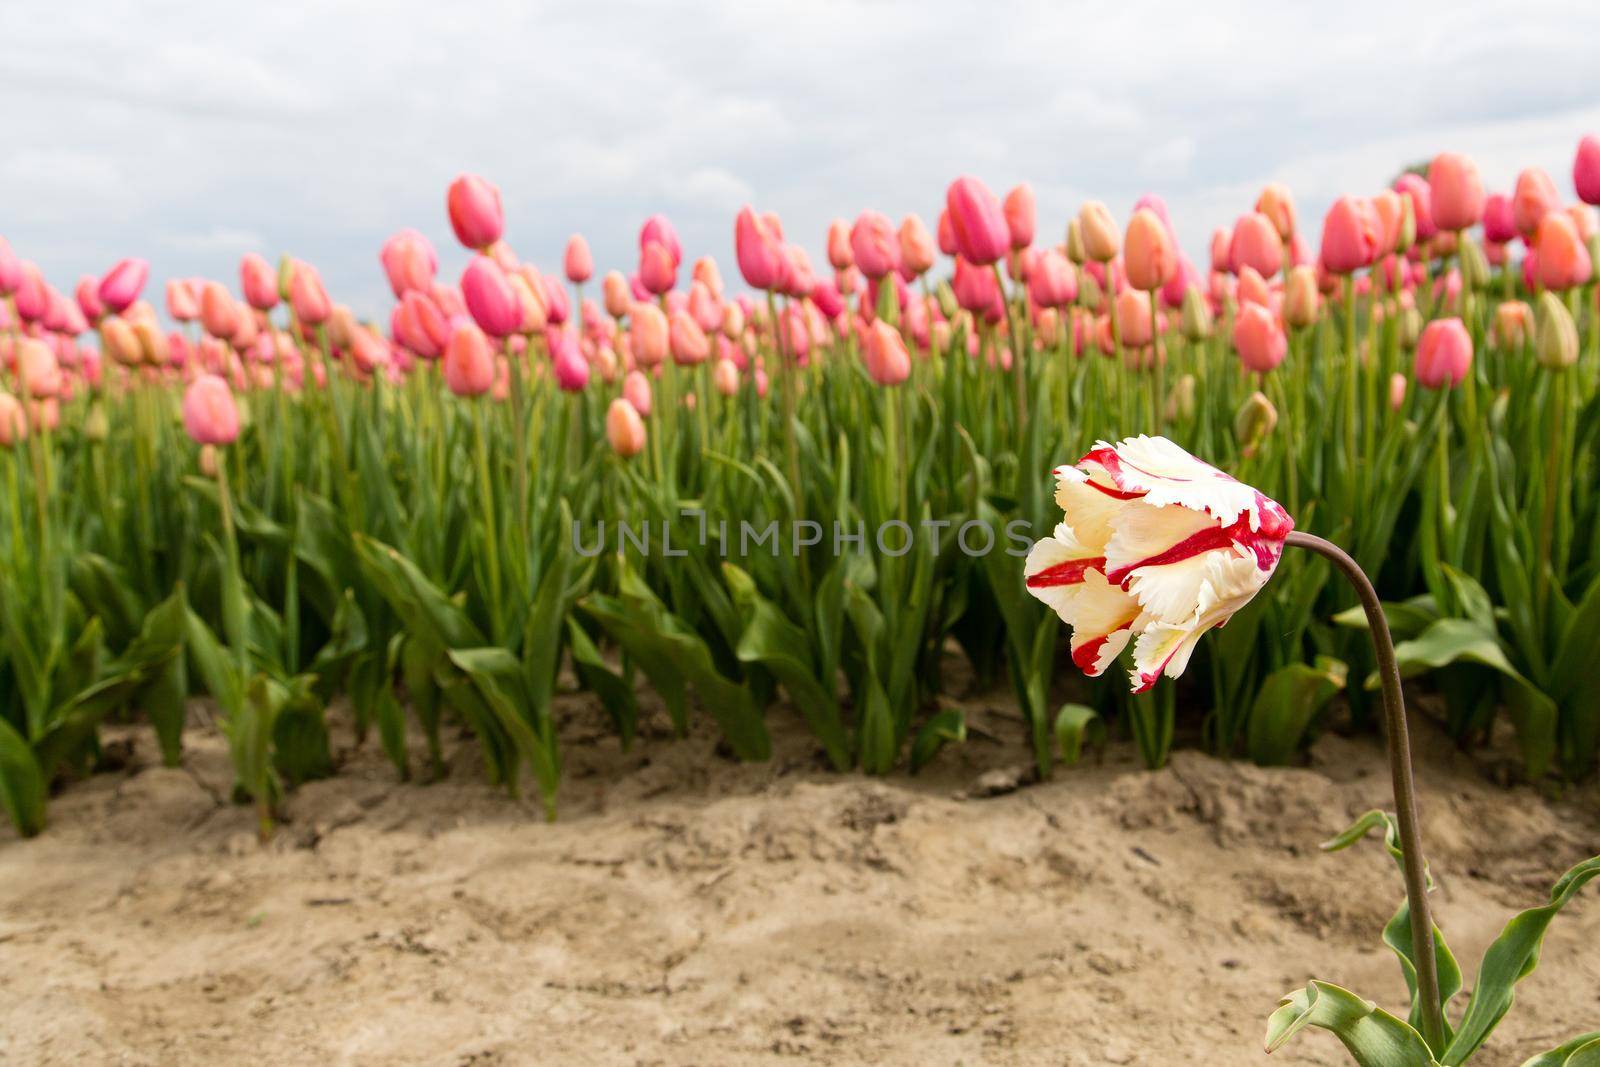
[811,490]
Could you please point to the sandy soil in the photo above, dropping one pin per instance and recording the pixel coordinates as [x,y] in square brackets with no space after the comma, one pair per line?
[688,910]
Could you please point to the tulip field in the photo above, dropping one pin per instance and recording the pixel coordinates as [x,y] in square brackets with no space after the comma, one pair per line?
[797,490]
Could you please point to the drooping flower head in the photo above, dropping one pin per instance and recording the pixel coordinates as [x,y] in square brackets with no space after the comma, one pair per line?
[1156,548]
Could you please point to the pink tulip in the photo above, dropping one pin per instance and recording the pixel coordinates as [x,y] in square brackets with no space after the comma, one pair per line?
[1349,236]
[1586,170]
[829,300]
[977,291]
[706,309]
[38,370]
[567,362]
[1256,243]
[636,391]
[758,250]
[1133,318]
[408,261]
[1100,239]
[725,378]
[979,226]
[1253,288]
[618,297]
[888,362]
[1416,189]
[1221,243]
[368,350]
[1021,215]
[1535,197]
[556,307]
[658,230]
[624,429]
[1499,219]
[657,269]
[1277,204]
[1052,283]
[32,297]
[1148,254]
[182,302]
[874,245]
[420,326]
[1444,353]
[1259,339]
[307,298]
[219,312]
[259,282]
[1183,279]
[686,340]
[579,263]
[490,298]
[209,413]
[706,273]
[123,283]
[1457,191]
[917,250]
[839,255]
[88,297]
[468,360]
[649,334]
[475,212]
[945,234]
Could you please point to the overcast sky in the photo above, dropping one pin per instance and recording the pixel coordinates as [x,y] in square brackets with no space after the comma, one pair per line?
[189,133]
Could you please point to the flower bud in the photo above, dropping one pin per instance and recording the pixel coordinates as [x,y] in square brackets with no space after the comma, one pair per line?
[1513,324]
[1075,251]
[1444,354]
[1410,328]
[1300,298]
[1397,391]
[1100,239]
[624,429]
[1474,265]
[1195,320]
[1557,345]
[1255,420]
[209,413]
[1180,401]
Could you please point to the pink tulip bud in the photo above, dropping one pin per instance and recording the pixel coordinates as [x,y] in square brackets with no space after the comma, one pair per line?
[307,297]
[658,271]
[706,308]
[917,251]
[567,362]
[88,297]
[839,255]
[1253,288]
[259,282]
[408,261]
[686,340]
[13,421]
[420,325]
[1563,258]
[182,302]
[979,226]
[624,429]
[1148,254]
[209,413]
[1499,218]
[888,362]
[1444,354]
[1258,338]
[1052,283]
[1256,243]
[636,391]
[977,291]
[122,284]
[579,263]
[118,341]
[1184,278]
[725,378]
[1397,391]
[874,245]
[490,298]
[1457,191]
[38,370]
[10,269]
[1415,188]
[1133,318]
[1586,170]
[468,360]
[618,298]
[758,250]
[556,307]
[1535,197]
[1021,215]
[1221,243]
[367,350]
[1277,204]
[1300,298]
[475,212]
[1349,236]
[1513,324]
[657,230]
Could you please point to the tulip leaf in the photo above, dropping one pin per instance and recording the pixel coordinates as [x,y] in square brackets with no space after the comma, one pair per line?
[502,687]
[946,727]
[1511,958]
[1581,1051]
[613,691]
[1373,1036]
[22,785]
[1289,700]
[1077,724]
[1406,618]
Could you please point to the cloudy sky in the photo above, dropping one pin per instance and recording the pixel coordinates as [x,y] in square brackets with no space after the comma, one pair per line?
[190,133]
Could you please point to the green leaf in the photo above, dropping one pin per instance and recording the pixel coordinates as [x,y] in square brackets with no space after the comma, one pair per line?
[946,727]
[1373,1036]
[1406,618]
[1581,1051]
[22,786]
[1286,704]
[1512,957]
[1075,725]
[300,736]
[615,694]
[498,677]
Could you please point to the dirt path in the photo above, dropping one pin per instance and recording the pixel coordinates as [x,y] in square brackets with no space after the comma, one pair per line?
[687,910]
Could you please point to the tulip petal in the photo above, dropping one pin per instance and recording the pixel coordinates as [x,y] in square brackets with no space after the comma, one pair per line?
[1090,510]
[1165,474]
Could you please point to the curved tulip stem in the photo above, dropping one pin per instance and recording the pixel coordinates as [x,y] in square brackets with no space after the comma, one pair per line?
[1405,793]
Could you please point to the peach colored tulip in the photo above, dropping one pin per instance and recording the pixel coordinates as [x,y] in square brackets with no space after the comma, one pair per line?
[421,326]
[1133,318]
[1444,353]
[219,312]
[624,429]
[1513,324]
[1535,197]
[840,256]
[1277,204]
[258,282]
[1457,191]
[1148,254]
[1020,214]
[468,360]
[183,303]
[475,212]
[118,341]
[979,226]
[307,297]
[686,340]
[209,413]
[578,261]
[888,362]
[706,273]
[87,293]
[1258,338]
[648,330]
[725,377]
[618,297]
[13,421]
[1221,242]
[1100,241]
[1563,258]
[636,391]
[532,303]
[409,262]
[1300,298]
[153,348]
[1397,391]
[707,310]
[1053,282]
[917,251]
[657,270]
[1253,288]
